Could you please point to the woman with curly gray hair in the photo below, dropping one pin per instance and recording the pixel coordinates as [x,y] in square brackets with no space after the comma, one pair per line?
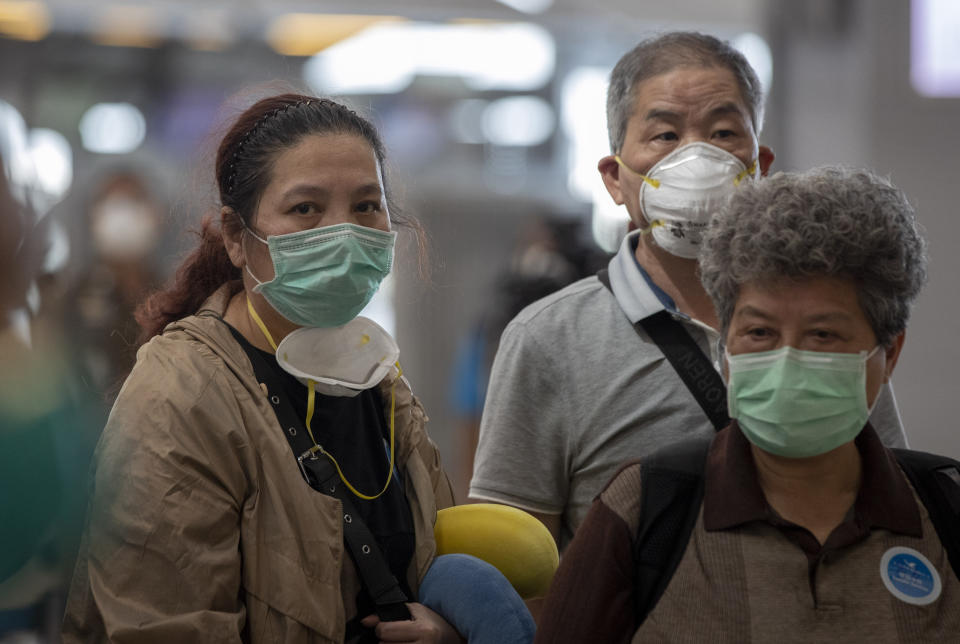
[828,261]
[795,522]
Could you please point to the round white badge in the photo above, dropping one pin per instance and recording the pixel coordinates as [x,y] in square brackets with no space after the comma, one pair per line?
[909,576]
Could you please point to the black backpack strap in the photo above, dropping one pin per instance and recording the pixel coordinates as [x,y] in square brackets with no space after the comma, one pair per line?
[694,368]
[671,493]
[937,482]
[375,574]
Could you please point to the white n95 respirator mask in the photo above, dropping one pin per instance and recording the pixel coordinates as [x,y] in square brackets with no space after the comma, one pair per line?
[684,190]
[343,360]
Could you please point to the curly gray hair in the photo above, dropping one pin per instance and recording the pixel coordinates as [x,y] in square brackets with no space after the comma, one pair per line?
[665,53]
[829,221]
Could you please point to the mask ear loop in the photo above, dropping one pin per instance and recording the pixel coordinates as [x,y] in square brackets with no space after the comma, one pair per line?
[311,402]
[749,172]
[246,264]
[653,182]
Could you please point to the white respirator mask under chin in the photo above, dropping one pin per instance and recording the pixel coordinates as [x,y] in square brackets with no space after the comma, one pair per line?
[683,190]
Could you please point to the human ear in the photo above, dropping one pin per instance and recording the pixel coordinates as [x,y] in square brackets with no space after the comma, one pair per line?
[232,231]
[610,172]
[766,157]
[893,354]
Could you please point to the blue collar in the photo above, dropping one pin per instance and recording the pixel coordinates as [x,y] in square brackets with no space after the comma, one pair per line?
[665,299]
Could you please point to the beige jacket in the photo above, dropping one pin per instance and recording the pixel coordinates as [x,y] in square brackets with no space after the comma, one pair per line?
[201,527]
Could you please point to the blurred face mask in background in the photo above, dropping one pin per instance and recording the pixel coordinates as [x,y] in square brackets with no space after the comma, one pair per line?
[683,190]
[124,228]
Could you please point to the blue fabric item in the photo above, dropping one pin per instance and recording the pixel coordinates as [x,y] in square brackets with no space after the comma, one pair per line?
[665,299]
[477,600]
[468,385]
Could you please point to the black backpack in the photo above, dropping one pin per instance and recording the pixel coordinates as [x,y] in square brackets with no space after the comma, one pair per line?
[671,493]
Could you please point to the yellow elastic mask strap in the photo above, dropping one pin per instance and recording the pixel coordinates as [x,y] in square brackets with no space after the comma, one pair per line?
[263,327]
[654,224]
[653,182]
[318,448]
[746,173]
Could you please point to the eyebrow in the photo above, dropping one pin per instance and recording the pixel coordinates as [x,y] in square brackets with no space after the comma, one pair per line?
[726,108]
[310,190]
[661,115]
[368,188]
[754,312]
[830,316]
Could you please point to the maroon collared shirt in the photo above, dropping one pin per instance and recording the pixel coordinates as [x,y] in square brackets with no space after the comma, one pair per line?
[748,575]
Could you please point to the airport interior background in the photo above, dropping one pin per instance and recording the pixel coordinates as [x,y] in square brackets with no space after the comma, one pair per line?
[493,118]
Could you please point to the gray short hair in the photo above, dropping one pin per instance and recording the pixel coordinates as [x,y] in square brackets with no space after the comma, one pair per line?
[829,221]
[665,53]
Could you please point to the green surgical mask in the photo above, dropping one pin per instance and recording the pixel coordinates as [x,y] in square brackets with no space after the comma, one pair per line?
[797,403]
[323,277]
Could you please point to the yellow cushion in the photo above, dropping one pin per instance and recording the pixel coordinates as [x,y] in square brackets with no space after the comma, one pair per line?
[513,541]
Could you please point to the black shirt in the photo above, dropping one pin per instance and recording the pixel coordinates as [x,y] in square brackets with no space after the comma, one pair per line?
[356,431]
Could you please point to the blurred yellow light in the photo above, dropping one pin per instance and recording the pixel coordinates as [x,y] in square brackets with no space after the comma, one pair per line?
[304,34]
[24,20]
[208,30]
[122,26]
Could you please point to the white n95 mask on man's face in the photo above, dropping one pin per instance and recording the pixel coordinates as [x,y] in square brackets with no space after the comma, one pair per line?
[683,190]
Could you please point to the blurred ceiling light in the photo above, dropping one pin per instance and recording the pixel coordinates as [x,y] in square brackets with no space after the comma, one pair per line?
[935,48]
[518,120]
[584,121]
[304,34]
[385,58]
[528,6]
[58,248]
[53,159]
[18,162]
[512,56]
[375,61]
[466,120]
[208,29]
[128,26]
[112,128]
[757,52]
[24,20]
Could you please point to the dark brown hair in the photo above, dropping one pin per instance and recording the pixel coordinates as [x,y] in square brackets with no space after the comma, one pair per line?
[243,166]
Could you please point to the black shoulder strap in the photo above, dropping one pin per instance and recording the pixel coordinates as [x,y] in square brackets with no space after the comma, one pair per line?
[694,368]
[375,574]
[937,482]
[671,491]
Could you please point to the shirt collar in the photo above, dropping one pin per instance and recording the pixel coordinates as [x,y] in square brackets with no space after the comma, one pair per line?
[633,289]
[733,496]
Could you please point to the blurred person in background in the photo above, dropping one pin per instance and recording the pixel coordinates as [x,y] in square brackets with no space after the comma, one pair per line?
[803,526]
[229,486]
[552,253]
[46,422]
[578,379]
[124,222]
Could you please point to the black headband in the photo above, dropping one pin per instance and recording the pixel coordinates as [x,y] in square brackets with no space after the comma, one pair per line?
[232,169]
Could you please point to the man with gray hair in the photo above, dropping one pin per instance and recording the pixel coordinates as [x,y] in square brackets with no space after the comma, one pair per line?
[580,383]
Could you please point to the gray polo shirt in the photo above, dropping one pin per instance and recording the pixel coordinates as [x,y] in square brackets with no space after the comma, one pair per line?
[575,392]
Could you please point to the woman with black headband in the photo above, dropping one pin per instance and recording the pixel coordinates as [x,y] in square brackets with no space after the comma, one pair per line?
[265,475]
